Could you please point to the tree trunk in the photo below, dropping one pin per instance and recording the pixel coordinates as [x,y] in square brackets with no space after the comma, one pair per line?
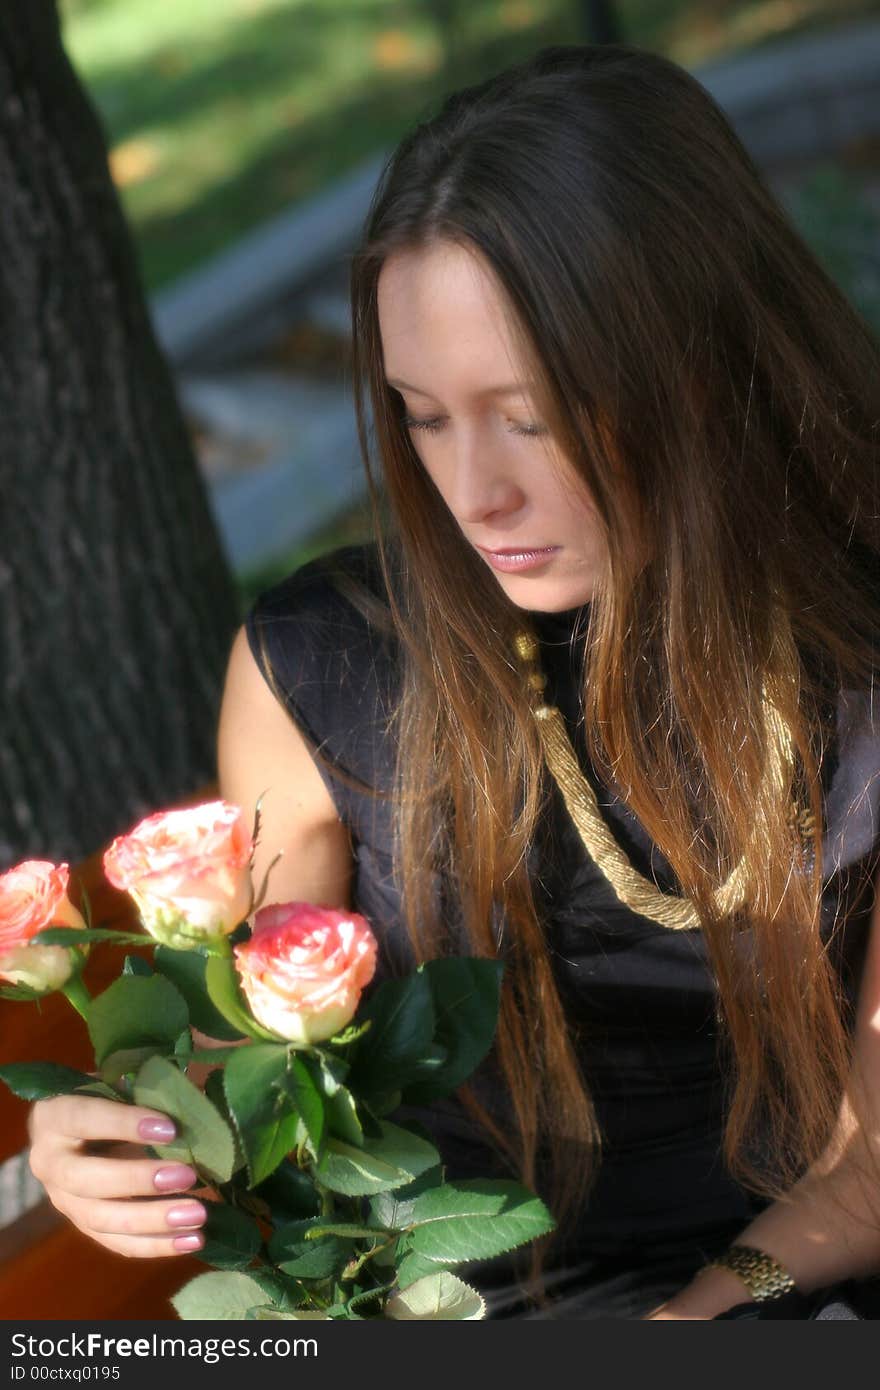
[117,608]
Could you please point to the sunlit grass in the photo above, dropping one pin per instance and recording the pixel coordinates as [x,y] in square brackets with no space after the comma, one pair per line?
[221,112]
[101,36]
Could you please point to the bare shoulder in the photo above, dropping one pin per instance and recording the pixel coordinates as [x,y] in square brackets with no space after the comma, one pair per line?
[262,753]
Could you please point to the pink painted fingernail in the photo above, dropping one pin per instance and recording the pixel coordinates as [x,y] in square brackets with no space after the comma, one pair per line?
[193,1214]
[174,1178]
[163,1131]
[190,1242]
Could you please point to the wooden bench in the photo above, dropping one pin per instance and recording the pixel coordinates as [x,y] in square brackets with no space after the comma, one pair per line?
[47,1268]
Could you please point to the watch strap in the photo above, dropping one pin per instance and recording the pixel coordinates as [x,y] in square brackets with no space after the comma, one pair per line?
[764,1277]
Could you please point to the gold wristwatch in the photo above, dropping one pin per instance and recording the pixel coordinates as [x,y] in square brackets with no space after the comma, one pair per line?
[764,1277]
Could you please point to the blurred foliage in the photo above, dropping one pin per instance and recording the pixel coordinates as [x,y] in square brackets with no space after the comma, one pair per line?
[833,213]
[220,113]
[349,528]
[693,32]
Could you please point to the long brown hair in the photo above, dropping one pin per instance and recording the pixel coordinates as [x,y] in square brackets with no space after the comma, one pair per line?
[718,394]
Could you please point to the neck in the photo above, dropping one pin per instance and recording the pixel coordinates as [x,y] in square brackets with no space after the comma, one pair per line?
[566,626]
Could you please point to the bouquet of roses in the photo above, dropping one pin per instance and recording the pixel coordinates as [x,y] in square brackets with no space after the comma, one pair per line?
[322,1206]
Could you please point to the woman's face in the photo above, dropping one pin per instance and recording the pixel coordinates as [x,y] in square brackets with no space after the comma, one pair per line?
[450,354]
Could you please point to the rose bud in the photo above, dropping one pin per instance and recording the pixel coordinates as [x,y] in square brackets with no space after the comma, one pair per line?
[33,896]
[304,969]
[188,871]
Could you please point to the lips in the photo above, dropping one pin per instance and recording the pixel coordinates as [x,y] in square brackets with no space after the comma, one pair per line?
[519,550]
[511,561]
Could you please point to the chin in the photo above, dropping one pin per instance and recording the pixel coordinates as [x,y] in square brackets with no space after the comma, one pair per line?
[563,603]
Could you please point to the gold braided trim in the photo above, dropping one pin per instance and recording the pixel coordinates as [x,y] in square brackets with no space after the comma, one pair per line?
[632,888]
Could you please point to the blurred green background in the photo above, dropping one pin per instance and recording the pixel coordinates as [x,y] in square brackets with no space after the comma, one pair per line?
[221,112]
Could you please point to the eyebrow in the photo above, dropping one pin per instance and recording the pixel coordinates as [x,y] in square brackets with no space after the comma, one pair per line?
[514,389]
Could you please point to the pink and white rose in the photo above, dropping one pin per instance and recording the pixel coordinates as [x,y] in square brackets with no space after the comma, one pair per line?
[33,895]
[188,871]
[304,969]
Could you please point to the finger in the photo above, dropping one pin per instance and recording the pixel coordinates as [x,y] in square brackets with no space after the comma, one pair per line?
[82,1175]
[91,1117]
[151,1247]
[157,1218]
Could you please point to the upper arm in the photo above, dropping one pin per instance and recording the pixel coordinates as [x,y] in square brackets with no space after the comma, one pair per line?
[864,1083]
[868,1019]
[261,753]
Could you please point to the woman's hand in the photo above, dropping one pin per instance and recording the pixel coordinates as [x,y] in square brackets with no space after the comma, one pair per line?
[711,1291]
[89,1154]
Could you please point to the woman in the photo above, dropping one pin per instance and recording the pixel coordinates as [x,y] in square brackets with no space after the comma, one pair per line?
[628,436]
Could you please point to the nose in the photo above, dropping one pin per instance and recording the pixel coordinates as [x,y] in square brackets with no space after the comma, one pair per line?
[481,480]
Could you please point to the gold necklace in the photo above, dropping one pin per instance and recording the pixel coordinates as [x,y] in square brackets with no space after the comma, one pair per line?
[635,891]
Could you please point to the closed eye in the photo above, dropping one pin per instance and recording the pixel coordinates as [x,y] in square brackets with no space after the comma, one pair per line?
[412,423]
[438,421]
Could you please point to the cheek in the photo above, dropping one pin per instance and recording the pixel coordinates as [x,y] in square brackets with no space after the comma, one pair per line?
[568,495]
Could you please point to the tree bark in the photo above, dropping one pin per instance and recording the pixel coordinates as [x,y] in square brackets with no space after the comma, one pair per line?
[117,608]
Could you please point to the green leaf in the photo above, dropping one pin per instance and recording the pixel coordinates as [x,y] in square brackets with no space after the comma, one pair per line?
[85,936]
[217,1096]
[342,1117]
[412,1268]
[393,1210]
[402,1017]
[232,1238]
[466,992]
[382,1103]
[308,1259]
[347,1229]
[440,1296]
[38,1080]
[187,970]
[136,1012]
[381,1165]
[388,1255]
[349,1034]
[268,1313]
[204,1138]
[85,905]
[289,1192]
[100,1088]
[221,980]
[475,1219]
[328,1072]
[21,994]
[279,1290]
[366,1296]
[128,1059]
[299,1084]
[260,1105]
[136,965]
[218,1297]
[432,1061]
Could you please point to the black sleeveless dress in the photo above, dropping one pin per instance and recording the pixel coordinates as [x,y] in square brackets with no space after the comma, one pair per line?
[640,998]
